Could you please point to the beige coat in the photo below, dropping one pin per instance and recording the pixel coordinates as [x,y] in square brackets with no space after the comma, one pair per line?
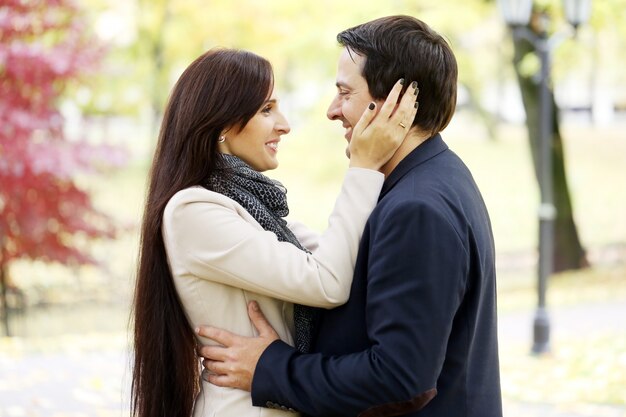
[221,258]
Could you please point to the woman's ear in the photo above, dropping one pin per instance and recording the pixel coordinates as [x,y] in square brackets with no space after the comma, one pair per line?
[222,140]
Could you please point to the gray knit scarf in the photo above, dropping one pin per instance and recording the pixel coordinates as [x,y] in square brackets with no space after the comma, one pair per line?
[266,200]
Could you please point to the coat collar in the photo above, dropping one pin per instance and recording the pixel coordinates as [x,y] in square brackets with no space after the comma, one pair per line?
[428,149]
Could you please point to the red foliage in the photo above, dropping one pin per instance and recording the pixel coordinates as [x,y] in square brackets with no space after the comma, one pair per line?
[43,46]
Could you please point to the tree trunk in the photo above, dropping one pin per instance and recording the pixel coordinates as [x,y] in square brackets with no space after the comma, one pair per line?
[568,251]
[3,295]
[154,38]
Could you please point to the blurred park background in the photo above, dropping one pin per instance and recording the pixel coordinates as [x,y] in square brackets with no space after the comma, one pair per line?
[82,87]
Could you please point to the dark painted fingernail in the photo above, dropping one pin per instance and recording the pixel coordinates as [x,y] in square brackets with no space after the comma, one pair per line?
[417,91]
[417,104]
[414,84]
[401,81]
[372,105]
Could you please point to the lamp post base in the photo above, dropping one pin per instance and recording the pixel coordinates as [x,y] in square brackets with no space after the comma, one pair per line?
[541,332]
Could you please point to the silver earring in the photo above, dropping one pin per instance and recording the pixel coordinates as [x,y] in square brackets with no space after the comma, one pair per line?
[222,139]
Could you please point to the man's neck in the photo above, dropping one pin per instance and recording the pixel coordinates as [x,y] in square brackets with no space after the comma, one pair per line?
[414,139]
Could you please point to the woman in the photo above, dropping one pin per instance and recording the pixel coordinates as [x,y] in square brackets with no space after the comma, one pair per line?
[213,236]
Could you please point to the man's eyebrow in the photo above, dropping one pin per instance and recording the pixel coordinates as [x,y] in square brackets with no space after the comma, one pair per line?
[271,100]
[341,84]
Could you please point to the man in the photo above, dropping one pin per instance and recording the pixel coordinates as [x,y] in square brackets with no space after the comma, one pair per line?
[418,334]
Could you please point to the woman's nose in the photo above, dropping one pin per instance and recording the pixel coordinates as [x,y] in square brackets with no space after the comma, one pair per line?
[282,125]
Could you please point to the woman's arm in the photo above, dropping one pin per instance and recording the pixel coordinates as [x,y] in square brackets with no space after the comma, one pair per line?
[208,235]
[307,237]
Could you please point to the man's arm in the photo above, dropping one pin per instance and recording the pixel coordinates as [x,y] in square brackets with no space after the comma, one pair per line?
[417,270]
[416,282]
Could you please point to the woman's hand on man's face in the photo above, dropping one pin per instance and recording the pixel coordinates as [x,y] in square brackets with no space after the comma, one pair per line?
[378,135]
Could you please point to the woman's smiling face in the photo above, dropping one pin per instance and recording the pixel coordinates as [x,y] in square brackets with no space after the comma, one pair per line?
[257,143]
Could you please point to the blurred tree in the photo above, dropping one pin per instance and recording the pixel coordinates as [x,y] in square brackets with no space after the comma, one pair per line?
[568,250]
[297,37]
[153,28]
[608,16]
[44,214]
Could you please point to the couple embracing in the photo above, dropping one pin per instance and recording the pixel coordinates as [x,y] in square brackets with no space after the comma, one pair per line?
[390,311]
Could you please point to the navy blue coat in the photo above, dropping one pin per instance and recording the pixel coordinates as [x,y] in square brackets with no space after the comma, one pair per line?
[419,330]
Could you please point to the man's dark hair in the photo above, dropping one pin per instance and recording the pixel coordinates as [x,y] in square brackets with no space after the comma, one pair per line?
[397,47]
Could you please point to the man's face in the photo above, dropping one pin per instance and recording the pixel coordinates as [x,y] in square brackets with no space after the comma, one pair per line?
[353,95]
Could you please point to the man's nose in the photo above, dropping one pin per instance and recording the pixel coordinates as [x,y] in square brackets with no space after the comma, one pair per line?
[334,110]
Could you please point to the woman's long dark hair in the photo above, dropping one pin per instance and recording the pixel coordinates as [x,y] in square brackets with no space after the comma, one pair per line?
[222,89]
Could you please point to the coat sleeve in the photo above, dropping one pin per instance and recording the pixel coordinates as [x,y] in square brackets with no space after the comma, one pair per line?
[416,280]
[210,239]
[307,237]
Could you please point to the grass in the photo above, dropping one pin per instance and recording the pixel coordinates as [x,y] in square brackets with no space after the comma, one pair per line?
[600,284]
[582,370]
[587,362]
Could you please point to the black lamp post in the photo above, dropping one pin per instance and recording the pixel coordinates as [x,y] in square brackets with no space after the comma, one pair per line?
[517,14]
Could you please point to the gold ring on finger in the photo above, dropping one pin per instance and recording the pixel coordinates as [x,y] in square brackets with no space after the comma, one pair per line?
[402,125]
